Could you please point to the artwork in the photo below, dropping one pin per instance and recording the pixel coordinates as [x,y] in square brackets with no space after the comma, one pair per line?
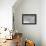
[28,18]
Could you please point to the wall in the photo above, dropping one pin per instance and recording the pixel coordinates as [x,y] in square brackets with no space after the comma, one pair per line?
[6,13]
[32,32]
[43,22]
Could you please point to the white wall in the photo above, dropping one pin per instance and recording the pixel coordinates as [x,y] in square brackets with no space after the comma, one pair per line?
[43,22]
[32,32]
[6,13]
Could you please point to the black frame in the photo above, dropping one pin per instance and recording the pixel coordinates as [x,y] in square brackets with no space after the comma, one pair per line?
[29,15]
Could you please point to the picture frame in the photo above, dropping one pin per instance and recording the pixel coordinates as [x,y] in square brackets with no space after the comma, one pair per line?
[29,18]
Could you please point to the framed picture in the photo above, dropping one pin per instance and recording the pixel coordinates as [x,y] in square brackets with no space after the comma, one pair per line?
[28,18]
